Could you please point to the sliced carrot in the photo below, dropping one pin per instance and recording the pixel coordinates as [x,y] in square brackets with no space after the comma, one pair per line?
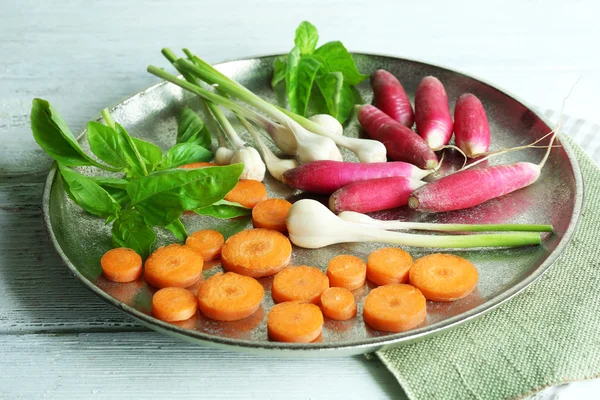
[347,271]
[174,304]
[271,214]
[229,296]
[444,277]
[394,308]
[121,265]
[256,252]
[295,322]
[199,164]
[388,265]
[174,265]
[207,243]
[248,193]
[300,283]
[338,303]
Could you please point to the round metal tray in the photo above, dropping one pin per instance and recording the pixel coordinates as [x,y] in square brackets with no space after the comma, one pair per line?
[556,198]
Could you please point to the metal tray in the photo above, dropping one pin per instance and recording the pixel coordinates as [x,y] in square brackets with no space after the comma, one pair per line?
[556,198]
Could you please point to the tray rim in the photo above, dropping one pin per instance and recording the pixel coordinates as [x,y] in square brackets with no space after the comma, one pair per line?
[338,348]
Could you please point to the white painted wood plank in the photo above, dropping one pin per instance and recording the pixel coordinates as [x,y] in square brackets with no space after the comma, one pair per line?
[84,56]
[143,364]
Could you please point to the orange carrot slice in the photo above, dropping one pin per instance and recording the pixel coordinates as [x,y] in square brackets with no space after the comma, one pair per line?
[174,265]
[444,277]
[388,265]
[299,283]
[174,304]
[394,308]
[207,243]
[248,193]
[347,271]
[294,322]
[338,303]
[199,164]
[256,252]
[229,296]
[121,265]
[271,214]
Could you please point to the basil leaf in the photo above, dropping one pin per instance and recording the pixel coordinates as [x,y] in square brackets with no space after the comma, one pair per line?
[300,75]
[130,230]
[335,57]
[104,143]
[136,165]
[306,38]
[54,137]
[109,181]
[162,196]
[115,187]
[178,229]
[88,194]
[224,209]
[191,129]
[185,153]
[151,154]
[279,69]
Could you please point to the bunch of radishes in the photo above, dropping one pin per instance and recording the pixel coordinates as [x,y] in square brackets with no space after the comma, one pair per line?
[379,186]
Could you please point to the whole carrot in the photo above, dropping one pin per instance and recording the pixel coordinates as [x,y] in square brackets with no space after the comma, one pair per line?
[389,96]
[432,114]
[401,143]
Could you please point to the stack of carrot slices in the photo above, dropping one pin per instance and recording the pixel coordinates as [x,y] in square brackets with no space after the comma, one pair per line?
[303,294]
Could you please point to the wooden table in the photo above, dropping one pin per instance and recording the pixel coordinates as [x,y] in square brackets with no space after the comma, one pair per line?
[57,340]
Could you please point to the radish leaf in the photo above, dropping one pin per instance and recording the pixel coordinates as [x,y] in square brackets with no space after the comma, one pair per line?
[306,38]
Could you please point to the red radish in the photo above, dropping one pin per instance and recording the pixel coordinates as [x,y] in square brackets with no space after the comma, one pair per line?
[471,128]
[401,143]
[432,114]
[374,195]
[389,96]
[328,176]
[468,188]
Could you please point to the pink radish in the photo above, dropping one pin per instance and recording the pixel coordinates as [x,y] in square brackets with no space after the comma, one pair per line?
[373,195]
[432,114]
[471,127]
[328,176]
[389,96]
[401,143]
[468,188]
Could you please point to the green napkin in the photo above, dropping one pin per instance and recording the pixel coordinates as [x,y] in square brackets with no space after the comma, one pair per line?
[547,335]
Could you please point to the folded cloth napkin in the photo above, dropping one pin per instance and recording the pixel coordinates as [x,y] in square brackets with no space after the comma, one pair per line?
[546,336]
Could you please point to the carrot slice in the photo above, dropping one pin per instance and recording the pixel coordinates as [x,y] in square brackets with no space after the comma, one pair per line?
[256,252]
[174,304]
[199,164]
[271,214]
[174,265]
[121,265]
[394,308]
[248,193]
[338,303]
[347,271]
[295,322]
[444,277]
[388,265]
[207,243]
[299,283]
[229,296]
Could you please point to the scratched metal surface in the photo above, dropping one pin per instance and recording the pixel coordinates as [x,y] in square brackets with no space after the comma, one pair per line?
[152,114]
